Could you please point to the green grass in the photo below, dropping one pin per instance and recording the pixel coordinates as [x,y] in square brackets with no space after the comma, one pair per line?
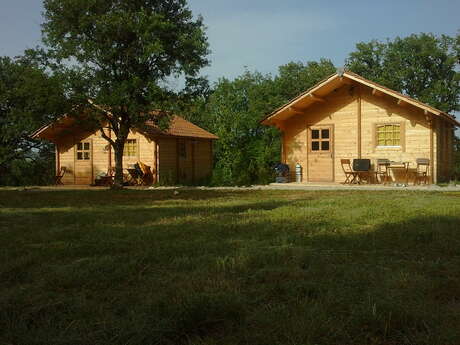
[221,267]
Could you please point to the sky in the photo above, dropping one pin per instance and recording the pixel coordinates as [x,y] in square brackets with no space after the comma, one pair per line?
[264,34]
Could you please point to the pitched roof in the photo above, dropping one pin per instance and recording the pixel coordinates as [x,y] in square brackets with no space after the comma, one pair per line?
[335,80]
[178,127]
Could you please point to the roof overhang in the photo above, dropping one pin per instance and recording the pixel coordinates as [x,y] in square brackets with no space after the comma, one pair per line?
[54,130]
[66,125]
[316,94]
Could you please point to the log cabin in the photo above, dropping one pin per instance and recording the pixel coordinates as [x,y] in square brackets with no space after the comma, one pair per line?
[346,116]
[182,154]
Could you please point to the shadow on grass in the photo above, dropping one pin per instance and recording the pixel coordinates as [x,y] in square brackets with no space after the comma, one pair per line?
[258,272]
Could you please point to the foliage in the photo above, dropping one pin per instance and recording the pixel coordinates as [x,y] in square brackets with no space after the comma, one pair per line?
[296,77]
[422,66]
[249,267]
[37,169]
[125,54]
[246,150]
[29,97]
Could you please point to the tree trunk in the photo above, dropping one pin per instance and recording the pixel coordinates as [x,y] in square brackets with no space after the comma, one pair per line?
[118,150]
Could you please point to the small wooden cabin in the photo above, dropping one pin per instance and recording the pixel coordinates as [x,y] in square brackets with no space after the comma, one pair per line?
[347,116]
[182,154]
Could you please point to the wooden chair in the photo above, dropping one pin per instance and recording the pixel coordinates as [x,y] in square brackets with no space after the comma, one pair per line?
[350,175]
[382,170]
[132,177]
[59,176]
[146,176]
[422,170]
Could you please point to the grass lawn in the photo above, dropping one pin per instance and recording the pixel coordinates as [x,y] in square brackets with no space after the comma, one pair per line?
[223,267]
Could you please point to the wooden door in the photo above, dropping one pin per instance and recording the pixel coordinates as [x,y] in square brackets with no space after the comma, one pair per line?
[185,161]
[84,163]
[321,153]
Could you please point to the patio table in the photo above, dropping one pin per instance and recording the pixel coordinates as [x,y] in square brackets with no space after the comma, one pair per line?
[400,166]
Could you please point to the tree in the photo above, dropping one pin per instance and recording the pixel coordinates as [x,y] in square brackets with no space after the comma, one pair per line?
[421,66]
[125,54]
[245,149]
[296,77]
[29,97]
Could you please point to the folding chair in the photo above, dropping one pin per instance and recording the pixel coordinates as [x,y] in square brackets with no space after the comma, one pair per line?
[146,175]
[382,170]
[350,175]
[422,170]
[59,176]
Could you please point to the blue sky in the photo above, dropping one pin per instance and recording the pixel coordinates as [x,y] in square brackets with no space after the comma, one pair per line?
[263,34]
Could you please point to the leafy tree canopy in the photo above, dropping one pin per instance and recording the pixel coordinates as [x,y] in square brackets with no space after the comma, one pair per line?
[29,97]
[422,66]
[125,54]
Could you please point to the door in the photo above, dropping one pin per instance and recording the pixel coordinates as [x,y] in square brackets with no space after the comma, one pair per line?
[84,163]
[320,153]
[185,161]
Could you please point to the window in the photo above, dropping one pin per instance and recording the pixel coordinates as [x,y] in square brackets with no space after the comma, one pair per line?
[83,151]
[320,140]
[182,150]
[130,149]
[389,135]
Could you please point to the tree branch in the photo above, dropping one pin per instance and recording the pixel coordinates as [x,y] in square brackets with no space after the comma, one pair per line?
[106,137]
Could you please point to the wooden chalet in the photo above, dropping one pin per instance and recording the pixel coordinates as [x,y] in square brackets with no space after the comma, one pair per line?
[181,154]
[347,116]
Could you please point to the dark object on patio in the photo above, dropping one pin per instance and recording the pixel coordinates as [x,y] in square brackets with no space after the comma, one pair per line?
[362,167]
[350,175]
[59,176]
[382,170]
[106,180]
[361,164]
[282,173]
[421,173]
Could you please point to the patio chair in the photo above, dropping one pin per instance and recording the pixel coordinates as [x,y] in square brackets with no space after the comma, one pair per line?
[59,176]
[382,170]
[362,167]
[350,175]
[146,176]
[133,176]
[422,170]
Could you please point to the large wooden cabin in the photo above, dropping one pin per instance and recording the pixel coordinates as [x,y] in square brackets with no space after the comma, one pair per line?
[346,116]
[182,154]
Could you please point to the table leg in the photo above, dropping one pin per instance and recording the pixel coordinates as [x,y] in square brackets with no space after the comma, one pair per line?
[407,174]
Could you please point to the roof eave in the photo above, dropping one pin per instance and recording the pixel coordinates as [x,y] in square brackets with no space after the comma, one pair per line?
[269,119]
[266,120]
